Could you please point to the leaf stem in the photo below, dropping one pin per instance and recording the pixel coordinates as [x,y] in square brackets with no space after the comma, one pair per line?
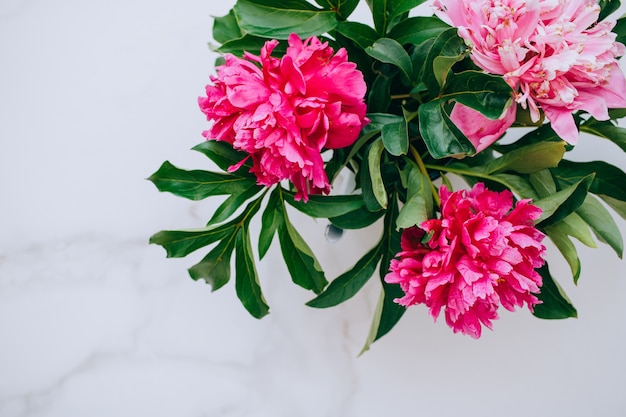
[423,170]
[400,96]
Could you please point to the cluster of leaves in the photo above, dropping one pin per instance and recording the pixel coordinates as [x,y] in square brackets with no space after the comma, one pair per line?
[416,68]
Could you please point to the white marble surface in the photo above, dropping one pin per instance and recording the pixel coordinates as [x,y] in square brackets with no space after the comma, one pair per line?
[95,322]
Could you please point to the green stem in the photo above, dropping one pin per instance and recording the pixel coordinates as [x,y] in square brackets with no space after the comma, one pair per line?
[469,173]
[423,170]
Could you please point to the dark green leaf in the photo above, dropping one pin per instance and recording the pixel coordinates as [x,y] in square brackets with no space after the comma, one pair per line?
[233,202]
[349,283]
[225,28]
[620,29]
[561,204]
[441,136]
[607,130]
[357,219]
[397,7]
[607,7]
[271,220]
[447,49]
[379,97]
[418,29]
[325,206]
[246,277]
[379,14]
[489,94]
[224,156]
[343,8]
[279,22]
[396,138]
[361,34]
[180,243]
[249,43]
[302,264]
[391,52]
[196,184]
[391,311]
[608,180]
[214,268]
[555,304]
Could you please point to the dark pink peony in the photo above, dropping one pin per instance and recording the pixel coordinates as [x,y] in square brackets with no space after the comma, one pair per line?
[554,54]
[285,111]
[483,253]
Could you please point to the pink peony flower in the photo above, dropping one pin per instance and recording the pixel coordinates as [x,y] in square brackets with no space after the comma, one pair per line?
[285,112]
[553,53]
[483,253]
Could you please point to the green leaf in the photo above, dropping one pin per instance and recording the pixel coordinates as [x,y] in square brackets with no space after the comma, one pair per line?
[396,138]
[543,183]
[519,185]
[418,29]
[379,14]
[441,136]
[607,7]
[602,223]
[447,49]
[325,206]
[618,205]
[379,96]
[562,203]
[249,43]
[620,29]
[214,268]
[271,220]
[246,277]
[196,184]
[489,94]
[225,28]
[343,8]
[529,158]
[392,311]
[576,227]
[302,264]
[391,52]
[359,33]
[180,243]
[349,283]
[555,304]
[608,180]
[279,22]
[233,202]
[561,240]
[357,219]
[374,192]
[378,312]
[607,130]
[397,7]
[224,156]
[419,202]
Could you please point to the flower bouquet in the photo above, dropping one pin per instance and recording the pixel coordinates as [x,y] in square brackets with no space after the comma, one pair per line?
[302,97]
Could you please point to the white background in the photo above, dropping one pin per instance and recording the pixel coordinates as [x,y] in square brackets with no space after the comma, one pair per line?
[95,322]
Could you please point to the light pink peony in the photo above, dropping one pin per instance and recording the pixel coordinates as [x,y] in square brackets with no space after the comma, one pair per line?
[285,111]
[482,254]
[553,53]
